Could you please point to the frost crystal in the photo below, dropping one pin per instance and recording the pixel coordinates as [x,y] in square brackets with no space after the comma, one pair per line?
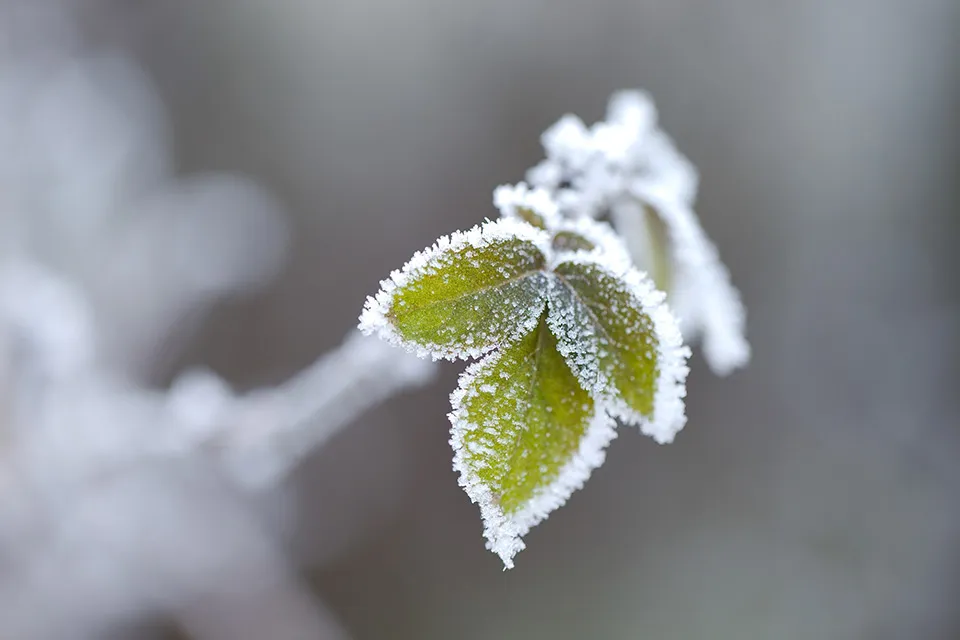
[708,303]
[505,523]
[572,335]
[467,294]
[571,318]
[621,339]
[627,168]
[520,201]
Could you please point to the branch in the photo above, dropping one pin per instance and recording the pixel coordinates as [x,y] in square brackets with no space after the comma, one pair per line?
[258,437]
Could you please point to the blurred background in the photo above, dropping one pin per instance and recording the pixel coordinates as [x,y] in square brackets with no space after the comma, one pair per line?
[812,495]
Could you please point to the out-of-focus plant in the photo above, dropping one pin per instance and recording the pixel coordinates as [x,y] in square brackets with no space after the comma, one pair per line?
[573,320]
[118,498]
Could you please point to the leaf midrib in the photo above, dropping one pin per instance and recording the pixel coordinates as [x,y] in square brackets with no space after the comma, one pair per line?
[534,378]
[429,305]
[593,316]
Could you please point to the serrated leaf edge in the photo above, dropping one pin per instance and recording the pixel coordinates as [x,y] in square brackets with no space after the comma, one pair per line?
[509,198]
[669,414]
[608,247]
[504,532]
[375,316]
[713,306]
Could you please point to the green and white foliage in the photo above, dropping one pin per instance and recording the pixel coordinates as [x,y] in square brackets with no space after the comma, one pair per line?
[568,316]
[626,168]
[570,336]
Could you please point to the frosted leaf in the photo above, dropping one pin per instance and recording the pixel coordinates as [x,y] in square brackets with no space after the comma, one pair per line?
[646,239]
[649,152]
[700,288]
[633,110]
[587,235]
[469,293]
[533,206]
[568,139]
[618,335]
[531,419]
[628,168]
[589,169]
[525,436]
[568,235]
[572,241]
[667,169]
[650,155]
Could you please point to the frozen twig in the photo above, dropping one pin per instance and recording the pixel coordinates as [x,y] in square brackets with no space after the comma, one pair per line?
[261,435]
[117,498]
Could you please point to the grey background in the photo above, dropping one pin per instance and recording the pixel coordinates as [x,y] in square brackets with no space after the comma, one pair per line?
[813,495]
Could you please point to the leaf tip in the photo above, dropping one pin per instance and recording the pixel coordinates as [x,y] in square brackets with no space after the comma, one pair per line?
[504,525]
[519,202]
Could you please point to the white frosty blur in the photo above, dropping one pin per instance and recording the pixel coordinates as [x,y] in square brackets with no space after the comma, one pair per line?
[140,493]
[627,168]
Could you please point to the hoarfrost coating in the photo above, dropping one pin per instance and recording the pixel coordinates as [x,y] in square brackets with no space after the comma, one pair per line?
[620,348]
[378,308]
[504,532]
[668,416]
[626,168]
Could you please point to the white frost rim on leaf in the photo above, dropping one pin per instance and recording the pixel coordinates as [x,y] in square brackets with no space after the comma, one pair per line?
[633,109]
[669,170]
[608,246]
[508,198]
[598,162]
[375,316]
[568,139]
[630,156]
[504,532]
[659,160]
[704,293]
[669,415]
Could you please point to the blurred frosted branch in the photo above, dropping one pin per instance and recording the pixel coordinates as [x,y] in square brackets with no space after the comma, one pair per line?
[117,498]
[262,435]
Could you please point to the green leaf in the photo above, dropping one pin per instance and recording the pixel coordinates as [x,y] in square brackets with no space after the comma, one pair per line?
[648,240]
[531,217]
[466,295]
[534,206]
[660,268]
[570,241]
[620,339]
[525,436]
[666,239]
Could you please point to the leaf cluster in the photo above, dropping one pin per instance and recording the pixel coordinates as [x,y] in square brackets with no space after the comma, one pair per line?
[570,338]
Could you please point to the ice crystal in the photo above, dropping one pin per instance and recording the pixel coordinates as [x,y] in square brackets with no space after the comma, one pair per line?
[572,335]
[525,436]
[570,316]
[627,168]
[465,295]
